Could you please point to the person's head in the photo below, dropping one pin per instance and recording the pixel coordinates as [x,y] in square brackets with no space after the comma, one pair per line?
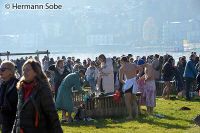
[63,57]
[149,59]
[82,73]
[69,58]
[32,70]
[84,62]
[138,57]
[156,56]
[92,63]
[60,64]
[123,60]
[7,70]
[88,60]
[102,58]
[193,57]
[130,55]
[184,58]
[36,58]
[144,58]
[171,60]
[78,61]
[131,60]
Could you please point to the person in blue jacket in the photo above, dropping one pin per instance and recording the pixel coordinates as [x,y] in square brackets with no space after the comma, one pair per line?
[190,74]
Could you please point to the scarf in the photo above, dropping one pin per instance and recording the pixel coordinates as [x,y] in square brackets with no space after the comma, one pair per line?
[27,89]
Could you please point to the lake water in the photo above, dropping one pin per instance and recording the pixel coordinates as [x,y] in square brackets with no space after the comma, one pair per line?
[84,53]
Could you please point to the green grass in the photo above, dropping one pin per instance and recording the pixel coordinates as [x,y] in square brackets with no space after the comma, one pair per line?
[174,121]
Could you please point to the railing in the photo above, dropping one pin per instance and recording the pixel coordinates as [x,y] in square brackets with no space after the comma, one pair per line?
[8,54]
[103,106]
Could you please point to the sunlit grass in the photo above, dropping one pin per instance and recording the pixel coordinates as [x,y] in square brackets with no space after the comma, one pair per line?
[174,121]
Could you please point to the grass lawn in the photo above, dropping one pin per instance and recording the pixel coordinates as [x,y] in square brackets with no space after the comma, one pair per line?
[174,121]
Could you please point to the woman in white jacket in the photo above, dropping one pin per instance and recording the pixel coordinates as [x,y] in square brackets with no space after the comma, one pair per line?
[106,74]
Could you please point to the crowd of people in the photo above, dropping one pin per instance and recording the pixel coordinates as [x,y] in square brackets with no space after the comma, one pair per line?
[42,87]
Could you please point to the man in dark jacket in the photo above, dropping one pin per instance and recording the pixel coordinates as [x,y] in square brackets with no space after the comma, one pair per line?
[8,96]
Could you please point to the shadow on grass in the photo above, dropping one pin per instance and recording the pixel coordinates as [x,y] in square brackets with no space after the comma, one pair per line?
[164,125]
[106,123]
[173,118]
[98,123]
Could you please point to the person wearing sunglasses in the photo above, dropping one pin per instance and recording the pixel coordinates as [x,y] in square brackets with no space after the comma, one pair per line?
[8,95]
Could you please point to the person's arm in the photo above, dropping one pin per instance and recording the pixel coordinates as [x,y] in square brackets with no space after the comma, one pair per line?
[121,73]
[49,110]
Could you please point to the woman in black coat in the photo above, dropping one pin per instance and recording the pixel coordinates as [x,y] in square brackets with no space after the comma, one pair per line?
[36,112]
[168,71]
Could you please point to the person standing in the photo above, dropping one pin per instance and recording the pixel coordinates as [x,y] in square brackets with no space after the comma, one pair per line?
[8,95]
[167,71]
[59,72]
[190,74]
[149,88]
[106,74]
[36,112]
[91,76]
[130,86]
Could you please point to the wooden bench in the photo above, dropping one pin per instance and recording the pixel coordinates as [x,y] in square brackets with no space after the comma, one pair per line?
[103,106]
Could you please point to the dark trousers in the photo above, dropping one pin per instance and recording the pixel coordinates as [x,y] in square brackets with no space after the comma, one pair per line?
[101,86]
[115,77]
[189,82]
[7,128]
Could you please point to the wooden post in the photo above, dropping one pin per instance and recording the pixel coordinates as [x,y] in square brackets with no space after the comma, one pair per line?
[37,54]
[47,53]
[8,53]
